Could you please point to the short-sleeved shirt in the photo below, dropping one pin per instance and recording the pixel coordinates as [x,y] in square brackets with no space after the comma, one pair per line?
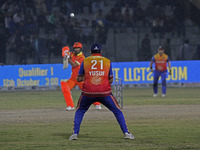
[160,61]
[78,59]
[97,71]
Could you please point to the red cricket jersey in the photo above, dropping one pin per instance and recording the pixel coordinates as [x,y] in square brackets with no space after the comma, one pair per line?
[78,59]
[97,71]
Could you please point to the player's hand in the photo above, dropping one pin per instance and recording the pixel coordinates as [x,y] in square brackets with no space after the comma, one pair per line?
[67,56]
[65,53]
[151,69]
[170,72]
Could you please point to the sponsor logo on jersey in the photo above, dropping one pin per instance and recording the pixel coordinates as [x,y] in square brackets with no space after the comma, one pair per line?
[96,80]
[160,61]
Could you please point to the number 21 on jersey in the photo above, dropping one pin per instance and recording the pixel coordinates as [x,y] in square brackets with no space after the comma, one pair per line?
[94,64]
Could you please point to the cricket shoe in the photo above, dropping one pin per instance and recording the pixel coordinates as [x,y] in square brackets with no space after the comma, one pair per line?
[155,95]
[69,108]
[98,107]
[128,135]
[163,95]
[73,137]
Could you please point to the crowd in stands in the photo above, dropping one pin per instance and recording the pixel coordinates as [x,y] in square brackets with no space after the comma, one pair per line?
[130,13]
[23,21]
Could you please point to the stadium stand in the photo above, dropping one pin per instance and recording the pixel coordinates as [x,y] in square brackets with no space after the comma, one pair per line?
[34,31]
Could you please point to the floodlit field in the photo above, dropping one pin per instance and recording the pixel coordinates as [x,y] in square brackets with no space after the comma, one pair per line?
[37,120]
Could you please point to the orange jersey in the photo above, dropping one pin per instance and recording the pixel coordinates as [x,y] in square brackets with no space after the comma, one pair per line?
[97,71]
[78,59]
[160,61]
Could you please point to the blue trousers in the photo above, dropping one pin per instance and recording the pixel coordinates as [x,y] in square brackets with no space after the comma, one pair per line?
[157,74]
[109,101]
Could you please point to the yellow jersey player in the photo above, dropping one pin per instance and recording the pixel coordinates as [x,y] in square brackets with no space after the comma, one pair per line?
[160,60]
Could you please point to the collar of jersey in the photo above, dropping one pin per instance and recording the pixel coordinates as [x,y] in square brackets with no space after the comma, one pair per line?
[96,54]
[159,54]
[79,54]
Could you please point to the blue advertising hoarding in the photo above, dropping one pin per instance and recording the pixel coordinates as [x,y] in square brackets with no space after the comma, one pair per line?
[130,72]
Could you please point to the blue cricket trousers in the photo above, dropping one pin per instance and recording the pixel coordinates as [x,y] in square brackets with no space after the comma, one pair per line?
[157,74]
[108,101]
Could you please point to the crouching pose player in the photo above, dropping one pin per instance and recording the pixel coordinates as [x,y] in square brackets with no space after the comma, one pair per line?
[75,59]
[160,60]
[96,72]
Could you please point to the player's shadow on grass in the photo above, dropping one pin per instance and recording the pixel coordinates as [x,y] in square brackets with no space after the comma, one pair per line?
[67,135]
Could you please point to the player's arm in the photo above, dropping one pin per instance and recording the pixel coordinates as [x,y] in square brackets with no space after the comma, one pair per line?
[77,62]
[73,64]
[169,65]
[81,73]
[80,78]
[110,77]
[151,63]
[111,80]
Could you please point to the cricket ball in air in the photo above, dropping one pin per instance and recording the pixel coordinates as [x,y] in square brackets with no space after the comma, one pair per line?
[71,14]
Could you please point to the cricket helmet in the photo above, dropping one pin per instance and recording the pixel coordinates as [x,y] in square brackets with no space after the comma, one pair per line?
[77,44]
[95,48]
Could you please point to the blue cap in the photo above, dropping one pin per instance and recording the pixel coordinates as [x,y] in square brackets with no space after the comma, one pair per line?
[161,48]
[95,48]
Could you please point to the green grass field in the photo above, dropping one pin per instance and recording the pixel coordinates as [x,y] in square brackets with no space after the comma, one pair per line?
[37,120]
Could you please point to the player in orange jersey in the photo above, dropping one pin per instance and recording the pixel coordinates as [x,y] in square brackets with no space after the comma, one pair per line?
[96,72]
[160,60]
[75,59]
